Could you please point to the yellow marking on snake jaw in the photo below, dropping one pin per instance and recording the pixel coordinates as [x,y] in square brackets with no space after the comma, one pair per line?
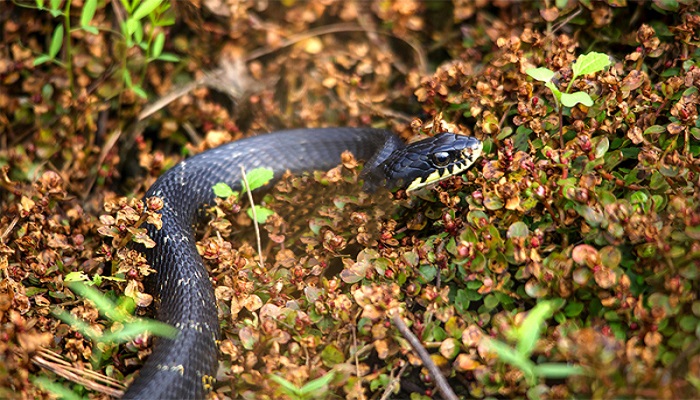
[208,382]
[469,156]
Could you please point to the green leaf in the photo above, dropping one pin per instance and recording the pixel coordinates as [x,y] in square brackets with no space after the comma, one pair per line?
[667,5]
[688,323]
[529,331]
[146,8]
[56,389]
[139,91]
[223,190]
[258,178]
[571,99]
[158,44]
[88,12]
[261,213]
[56,5]
[655,130]
[573,309]
[126,77]
[138,35]
[91,29]
[509,355]
[555,90]
[541,74]
[557,370]
[39,4]
[56,41]
[76,276]
[590,63]
[169,57]
[428,272]
[491,301]
[602,147]
[331,356]
[317,384]
[461,301]
[127,5]
[132,25]
[42,59]
[287,386]
[130,330]
[518,229]
[165,21]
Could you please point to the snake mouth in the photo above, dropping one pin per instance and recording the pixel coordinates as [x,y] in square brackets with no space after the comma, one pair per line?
[454,162]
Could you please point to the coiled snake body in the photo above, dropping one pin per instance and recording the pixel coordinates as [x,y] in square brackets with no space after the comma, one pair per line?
[184,367]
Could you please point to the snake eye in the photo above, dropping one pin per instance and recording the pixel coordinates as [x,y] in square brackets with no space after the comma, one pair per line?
[441,158]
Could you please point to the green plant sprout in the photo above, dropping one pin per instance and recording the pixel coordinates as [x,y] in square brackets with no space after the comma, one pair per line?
[585,64]
[133,33]
[125,325]
[257,178]
[316,389]
[526,336]
[54,8]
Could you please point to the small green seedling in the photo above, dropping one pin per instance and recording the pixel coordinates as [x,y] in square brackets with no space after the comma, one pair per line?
[64,31]
[256,178]
[139,29]
[585,64]
[120,314]
[526,337]
[318,388]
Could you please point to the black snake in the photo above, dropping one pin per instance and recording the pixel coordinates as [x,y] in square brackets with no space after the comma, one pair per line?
[184,367]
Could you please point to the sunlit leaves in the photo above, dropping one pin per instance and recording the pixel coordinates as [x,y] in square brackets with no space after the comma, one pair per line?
[585,64]
[590,63]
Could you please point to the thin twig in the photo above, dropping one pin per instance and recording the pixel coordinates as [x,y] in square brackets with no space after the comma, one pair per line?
[168,98]
[9,229]
[255,218]
[393,380]
[229,78]
[365,20]
[111,141]
[354,345]
[336,28]
[561,24]
[440,381]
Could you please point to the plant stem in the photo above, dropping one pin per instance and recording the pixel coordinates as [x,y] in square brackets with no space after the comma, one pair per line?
[151,34]
[69,52]
[561,127]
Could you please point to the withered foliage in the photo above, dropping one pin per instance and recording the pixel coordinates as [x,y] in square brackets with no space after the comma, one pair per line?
[598,207]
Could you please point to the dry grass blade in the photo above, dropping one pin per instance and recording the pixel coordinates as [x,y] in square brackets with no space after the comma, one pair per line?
[338,28]
[90,379]
[230,78]
[261,258]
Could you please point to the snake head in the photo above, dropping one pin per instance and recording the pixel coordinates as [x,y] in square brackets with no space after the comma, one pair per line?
[428,161]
